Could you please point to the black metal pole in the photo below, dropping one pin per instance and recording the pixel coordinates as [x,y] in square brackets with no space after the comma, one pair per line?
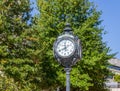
[67,78]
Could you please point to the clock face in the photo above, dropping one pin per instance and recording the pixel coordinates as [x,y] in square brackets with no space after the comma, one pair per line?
[65,48]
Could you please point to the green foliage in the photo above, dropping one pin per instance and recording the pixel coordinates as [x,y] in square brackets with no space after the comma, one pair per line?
[7,84]
[20,46]
[26,55]
[90,72]
[117,78]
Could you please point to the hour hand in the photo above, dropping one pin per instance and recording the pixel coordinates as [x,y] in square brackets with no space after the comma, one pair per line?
[63,48]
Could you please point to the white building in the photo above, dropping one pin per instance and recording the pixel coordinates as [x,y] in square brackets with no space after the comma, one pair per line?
[115,68]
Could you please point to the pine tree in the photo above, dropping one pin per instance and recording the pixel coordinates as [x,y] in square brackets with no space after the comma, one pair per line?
[90,72]
[26,53]
[20,49]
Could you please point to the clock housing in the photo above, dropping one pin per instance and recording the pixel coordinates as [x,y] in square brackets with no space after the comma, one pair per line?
[67,48]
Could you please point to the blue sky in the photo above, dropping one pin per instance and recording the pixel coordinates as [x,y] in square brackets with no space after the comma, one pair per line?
[111,22]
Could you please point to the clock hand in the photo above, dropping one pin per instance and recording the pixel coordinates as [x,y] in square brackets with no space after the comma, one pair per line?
[64,48]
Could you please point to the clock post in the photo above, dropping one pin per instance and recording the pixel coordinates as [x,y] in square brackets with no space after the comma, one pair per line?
[67,51]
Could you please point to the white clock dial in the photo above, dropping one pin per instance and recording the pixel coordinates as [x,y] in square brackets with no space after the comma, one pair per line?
[65,48]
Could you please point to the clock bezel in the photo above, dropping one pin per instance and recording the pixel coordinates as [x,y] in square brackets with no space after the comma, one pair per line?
[61,39]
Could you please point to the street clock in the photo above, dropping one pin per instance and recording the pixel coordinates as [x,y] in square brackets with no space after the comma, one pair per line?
[67,48]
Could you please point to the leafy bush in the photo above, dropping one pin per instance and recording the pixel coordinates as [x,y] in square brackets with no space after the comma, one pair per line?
[117,78]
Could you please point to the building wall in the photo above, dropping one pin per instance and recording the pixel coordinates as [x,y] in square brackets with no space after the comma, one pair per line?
[114,89]
[115,69]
